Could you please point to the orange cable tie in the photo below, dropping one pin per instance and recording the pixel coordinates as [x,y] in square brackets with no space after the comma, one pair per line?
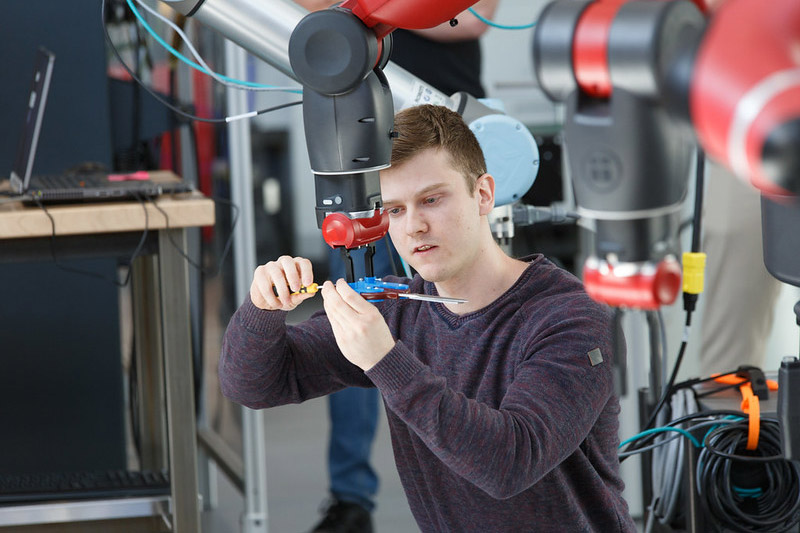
[752,407]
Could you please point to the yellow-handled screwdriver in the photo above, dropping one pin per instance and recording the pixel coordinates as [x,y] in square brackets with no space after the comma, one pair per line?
[310,289]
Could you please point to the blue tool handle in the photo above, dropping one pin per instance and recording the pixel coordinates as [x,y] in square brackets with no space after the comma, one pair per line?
[372,284]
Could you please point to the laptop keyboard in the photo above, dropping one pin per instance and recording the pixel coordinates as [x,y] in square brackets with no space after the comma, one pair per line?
[68,181]
[17,488]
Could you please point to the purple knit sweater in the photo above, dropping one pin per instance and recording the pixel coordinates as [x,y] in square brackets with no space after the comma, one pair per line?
[499,419]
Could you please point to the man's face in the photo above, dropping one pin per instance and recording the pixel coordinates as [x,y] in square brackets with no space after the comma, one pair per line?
[434,221]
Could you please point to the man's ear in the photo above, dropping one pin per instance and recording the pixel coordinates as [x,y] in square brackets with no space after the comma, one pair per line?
[484,189]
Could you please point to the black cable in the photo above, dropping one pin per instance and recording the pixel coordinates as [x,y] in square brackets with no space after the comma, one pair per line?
[645,441]
[718,440]
[89,273]
[697,381]
[213,272]
[159,98]
[748,491]
[690,429]
[704,414]
[699,189]
[690,299]
[722,388]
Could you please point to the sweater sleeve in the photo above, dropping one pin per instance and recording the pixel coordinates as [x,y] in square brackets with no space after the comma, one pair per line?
[550,408]
[265,363]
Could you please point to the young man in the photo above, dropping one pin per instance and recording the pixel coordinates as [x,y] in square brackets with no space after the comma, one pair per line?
[501,410]
[449,58]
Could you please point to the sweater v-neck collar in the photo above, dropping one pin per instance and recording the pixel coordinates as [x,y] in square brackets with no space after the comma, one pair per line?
[455,320]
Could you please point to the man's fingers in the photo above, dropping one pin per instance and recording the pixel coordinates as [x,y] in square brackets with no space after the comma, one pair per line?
[277,289]
[300,297]
[274,282]
[329,293]
[306,271]
[266,289]
[291,271]
[362,335]
[336,295]
[352,298]
[333,304]
[258,293]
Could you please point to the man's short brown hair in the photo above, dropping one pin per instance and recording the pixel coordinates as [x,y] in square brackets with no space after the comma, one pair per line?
[432,126]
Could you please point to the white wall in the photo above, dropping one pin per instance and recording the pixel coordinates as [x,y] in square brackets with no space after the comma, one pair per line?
[508,65]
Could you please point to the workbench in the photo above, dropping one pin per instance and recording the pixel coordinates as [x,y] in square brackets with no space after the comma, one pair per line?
[161,323]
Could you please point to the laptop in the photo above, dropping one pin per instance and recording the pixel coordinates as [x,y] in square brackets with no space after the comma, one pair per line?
[69,187]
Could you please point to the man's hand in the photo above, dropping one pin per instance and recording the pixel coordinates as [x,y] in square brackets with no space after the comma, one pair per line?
[273,283]
[359,328]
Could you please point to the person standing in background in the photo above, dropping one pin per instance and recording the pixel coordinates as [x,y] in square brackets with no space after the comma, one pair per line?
[740,293]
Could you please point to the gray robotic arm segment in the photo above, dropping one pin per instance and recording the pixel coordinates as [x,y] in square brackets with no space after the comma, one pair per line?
[261,28]
[265,29]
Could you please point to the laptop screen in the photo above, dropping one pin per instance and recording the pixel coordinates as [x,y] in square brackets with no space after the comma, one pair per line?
[31,126]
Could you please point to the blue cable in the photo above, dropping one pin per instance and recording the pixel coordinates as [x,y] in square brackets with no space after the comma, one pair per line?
[748,493]
[187,60]
[500,26]
[661,430]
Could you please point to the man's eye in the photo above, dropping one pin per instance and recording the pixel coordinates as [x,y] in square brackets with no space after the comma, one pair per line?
[430,200]
[394,211]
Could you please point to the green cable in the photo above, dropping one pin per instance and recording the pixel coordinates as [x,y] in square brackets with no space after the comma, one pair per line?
[661,430]
[187,60]
[500,26]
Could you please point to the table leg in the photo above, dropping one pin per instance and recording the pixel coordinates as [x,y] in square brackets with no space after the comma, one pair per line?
[178,375]
[152,422]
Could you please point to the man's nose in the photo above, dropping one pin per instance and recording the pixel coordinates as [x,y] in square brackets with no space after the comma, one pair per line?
[415,222]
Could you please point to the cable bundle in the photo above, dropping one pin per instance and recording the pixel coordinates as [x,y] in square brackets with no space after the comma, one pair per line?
[748,491]
[668,459]
[744,490]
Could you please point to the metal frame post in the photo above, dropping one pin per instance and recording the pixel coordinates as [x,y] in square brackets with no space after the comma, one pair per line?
[254,519]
